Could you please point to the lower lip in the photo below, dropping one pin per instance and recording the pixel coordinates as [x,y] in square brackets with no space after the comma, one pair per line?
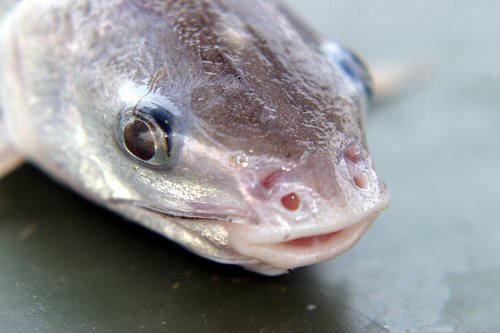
[308,241]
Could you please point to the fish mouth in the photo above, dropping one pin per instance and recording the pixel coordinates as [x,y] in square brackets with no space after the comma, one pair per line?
[280,256]
[269,250]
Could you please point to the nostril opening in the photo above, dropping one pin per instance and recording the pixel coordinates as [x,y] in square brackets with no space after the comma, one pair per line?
[361,180]
[354,153]
[270,181]
[291,201]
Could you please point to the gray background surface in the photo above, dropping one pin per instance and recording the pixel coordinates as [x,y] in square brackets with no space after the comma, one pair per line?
[429,264]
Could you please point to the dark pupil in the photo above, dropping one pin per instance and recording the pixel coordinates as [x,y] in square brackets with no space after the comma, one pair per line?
[139,140]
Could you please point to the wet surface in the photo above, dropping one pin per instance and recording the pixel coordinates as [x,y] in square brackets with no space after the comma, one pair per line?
[429,264]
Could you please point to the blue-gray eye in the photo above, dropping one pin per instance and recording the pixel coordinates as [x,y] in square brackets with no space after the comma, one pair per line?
[352,66]
[145,132]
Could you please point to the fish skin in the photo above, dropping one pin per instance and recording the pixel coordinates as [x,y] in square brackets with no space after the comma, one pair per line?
[252,94]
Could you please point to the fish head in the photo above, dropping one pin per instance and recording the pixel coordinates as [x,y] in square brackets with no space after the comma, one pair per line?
[227,126]
[267,141]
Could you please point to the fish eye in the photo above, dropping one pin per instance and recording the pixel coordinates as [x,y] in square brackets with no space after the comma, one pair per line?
[352,66]
[139,140]
[145,133]
[358,72]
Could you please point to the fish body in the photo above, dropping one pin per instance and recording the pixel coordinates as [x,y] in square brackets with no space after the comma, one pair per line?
[227,126]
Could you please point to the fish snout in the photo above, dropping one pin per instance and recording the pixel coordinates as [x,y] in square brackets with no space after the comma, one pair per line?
[318,191]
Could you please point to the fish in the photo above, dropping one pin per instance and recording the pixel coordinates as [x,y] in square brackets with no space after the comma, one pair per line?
[230,127]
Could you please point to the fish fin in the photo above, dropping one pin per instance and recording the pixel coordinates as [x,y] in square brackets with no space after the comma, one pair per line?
[396,80]
[10,159]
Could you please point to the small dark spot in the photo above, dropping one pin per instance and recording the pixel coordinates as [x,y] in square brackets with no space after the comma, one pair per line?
[288,155]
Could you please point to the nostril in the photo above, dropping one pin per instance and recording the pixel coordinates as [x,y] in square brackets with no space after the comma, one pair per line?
[361,180]
[270,181]
[354,153]
[291,201]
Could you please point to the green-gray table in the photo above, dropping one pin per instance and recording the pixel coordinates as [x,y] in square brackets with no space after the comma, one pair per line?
[430,264]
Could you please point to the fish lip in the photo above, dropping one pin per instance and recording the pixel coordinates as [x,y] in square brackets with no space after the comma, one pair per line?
[283,256]
[280,254]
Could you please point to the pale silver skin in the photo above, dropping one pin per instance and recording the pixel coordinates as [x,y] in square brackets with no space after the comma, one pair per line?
[253,93]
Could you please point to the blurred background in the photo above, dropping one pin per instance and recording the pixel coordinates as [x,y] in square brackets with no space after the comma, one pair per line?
[429,264]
